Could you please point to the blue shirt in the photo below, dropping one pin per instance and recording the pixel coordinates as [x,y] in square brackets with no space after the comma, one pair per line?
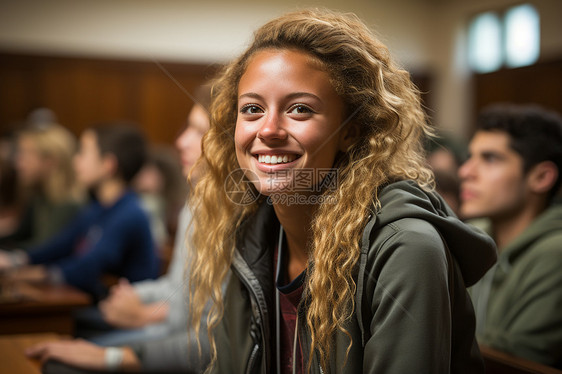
[102,240]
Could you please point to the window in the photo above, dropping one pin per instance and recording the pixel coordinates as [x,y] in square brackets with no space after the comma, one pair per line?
[522,36]
[511,39]
[485,43]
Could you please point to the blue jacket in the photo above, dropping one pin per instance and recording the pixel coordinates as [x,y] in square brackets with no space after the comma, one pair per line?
[102,240]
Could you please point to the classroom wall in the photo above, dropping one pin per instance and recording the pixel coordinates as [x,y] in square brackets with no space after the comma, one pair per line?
[427,36]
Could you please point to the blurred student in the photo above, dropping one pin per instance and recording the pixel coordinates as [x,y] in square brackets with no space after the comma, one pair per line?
[112,235]
[152,314]
[511,177]
[442,155]
[10,205]
[162,189]
[43,164]
[156,308]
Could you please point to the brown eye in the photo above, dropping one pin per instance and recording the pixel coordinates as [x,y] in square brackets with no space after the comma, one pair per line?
[251,109]
[300,109]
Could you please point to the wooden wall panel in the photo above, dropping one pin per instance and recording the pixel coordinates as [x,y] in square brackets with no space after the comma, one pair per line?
[540,84]
[84,91]
[159,91]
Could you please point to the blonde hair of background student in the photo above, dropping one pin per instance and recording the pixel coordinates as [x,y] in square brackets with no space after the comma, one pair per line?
[44,162]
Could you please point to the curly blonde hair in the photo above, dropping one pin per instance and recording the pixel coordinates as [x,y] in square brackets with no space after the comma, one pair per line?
[56,143]
[384,105]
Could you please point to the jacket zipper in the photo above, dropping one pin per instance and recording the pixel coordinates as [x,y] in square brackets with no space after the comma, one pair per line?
[257,321]
[252,359]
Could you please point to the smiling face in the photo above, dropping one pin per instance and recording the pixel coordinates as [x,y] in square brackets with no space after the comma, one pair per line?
[492,180]
[289,119]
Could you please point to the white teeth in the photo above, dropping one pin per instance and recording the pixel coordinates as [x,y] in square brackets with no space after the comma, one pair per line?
[276,159]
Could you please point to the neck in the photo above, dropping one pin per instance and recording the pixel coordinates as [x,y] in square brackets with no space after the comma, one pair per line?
[109,191]
[296,221]
[506,229]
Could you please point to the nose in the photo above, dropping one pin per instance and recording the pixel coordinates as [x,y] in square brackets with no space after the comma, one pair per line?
[272,128]
[466,170]
[182,140]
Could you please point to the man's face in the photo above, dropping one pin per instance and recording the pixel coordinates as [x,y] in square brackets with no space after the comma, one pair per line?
[492,180]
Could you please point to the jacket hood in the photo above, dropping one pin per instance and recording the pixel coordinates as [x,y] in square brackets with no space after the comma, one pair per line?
[548,222]
[473,249]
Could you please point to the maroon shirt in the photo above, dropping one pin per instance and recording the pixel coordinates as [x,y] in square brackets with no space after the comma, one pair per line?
[289,299]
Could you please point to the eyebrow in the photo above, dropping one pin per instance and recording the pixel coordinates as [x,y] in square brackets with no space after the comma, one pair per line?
[293,95]
[487,153]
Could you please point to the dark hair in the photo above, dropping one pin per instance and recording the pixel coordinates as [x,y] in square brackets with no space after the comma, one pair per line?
[126,143]
[535,133]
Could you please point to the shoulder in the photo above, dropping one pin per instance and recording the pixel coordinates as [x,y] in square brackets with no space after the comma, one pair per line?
[130,204]
[408,243]
[128,212]
[408,234]
[545,252]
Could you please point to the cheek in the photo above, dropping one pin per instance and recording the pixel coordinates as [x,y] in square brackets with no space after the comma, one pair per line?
[320,146]
[503,181]
[83,167]
[239,135]
[242,138]
[194,152]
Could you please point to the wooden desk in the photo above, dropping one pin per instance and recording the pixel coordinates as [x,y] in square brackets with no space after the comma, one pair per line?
[502,363]
[41,308]
[12,357]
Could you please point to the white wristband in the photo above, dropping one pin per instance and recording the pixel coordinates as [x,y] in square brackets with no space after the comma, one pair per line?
[113,358]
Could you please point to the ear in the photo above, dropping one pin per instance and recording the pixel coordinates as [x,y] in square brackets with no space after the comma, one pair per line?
[542,177]
[349,135]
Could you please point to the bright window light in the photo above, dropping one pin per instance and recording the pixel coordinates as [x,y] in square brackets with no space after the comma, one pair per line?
[522,36]
[484,43]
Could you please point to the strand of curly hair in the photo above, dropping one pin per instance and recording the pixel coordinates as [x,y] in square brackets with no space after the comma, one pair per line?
[385,106]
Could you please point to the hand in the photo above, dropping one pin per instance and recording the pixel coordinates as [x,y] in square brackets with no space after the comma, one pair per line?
[78,353]
[12,259]
[123,308]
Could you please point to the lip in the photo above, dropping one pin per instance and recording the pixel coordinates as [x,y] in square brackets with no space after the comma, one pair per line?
[187,162]
[269,168]
[274,152]
[468,194]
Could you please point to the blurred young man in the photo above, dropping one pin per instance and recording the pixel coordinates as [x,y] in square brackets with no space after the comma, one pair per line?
[511,178]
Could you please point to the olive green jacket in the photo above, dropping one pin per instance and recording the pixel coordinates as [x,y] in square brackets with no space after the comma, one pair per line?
[412,312]
[518,303]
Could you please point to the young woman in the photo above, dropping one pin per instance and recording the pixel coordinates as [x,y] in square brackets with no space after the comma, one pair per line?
[44,168]
[346,262]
